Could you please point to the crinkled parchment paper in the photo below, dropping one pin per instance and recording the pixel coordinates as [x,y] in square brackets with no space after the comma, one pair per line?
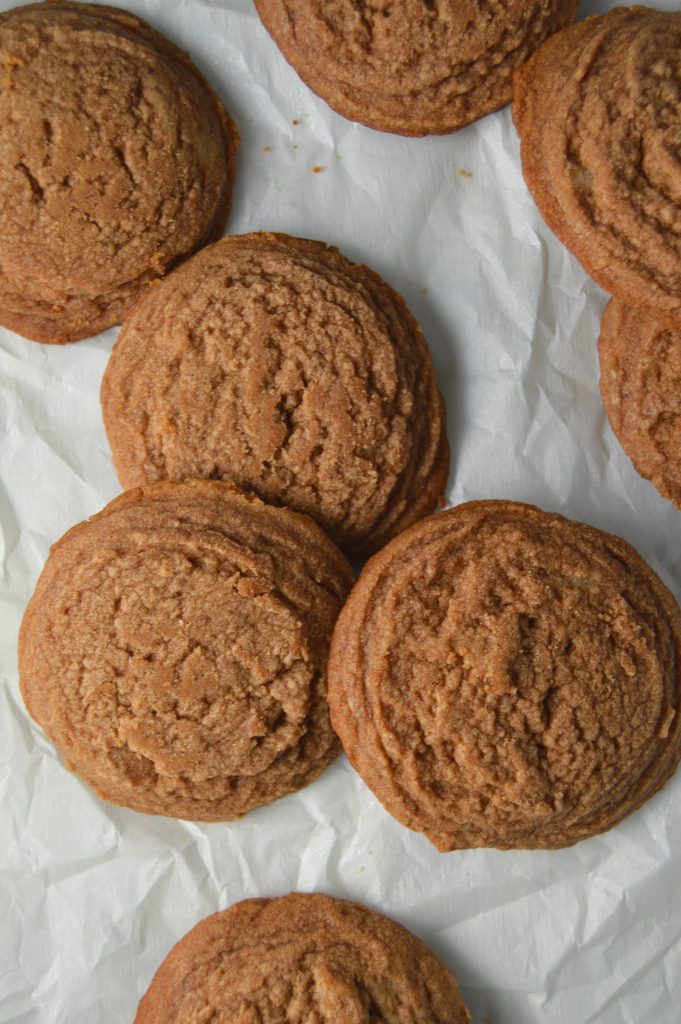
[93,896]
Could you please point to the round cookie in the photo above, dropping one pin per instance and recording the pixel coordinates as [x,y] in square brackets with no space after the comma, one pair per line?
[175,650]
[275,362]
[116,162]
[599,117]
[501,676]
[298,959]
[641,389]
[411,67]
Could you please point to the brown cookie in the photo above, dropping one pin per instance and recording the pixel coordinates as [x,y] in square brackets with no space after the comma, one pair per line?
[300,959]
[641,389]
[598,112]
[505,677]
[275,362]
[116,162]
[411,67]
[175,650]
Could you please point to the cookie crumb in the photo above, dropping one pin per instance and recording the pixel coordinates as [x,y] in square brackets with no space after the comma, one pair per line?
[295,121]
[267,149]
[463,173]
[318,168]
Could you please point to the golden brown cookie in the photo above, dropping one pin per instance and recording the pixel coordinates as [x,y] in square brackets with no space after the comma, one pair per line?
[116,162]
[598,111]
[175,650]
[641,388]
[300,959]
[275,362]
[505,677]
[412,67]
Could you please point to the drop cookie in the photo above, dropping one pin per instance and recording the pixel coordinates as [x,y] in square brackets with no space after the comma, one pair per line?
[411,67]
[116,162]
[175,650]
[297,959]
[641,389]
[505,677]
[276,363]
[598,111]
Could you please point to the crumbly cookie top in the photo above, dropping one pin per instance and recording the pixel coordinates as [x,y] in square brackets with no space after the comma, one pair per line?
[598,111]
[175,650]
[505,677]
[116,159]
[413,66]
[298,959]
[275,362]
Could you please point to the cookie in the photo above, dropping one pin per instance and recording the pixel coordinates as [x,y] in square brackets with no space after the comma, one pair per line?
[298,959]
[641,389]
[412,68]
[276,363]
[505,677]
[175,650]
[598,111]
[116,163]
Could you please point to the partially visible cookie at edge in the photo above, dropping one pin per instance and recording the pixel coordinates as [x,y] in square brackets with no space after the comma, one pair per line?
[412,68]
[598,112]
[641,389]
[175,650]
[277,363]
[501,676]
[116,162]
[300,958]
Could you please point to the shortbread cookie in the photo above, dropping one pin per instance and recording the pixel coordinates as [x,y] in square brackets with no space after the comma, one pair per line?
[275,362]
[641,388]
[411,67]
[505,677]
[175,650]
[300,959]
[116,162]
[598,110]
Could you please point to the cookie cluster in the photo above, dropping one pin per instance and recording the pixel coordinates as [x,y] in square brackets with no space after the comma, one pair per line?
[499,676]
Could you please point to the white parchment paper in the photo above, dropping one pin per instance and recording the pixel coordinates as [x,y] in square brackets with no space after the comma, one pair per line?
[93,896]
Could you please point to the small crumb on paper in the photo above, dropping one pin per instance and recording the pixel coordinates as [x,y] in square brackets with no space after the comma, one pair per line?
[267,149]
[318,168]
[295,121]
[463,173]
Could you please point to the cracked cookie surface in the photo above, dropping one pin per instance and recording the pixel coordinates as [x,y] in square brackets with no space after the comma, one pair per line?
[641,389]
[175,650]
[116,162]
[598,111]
[414,67]
[501,676]
[276,363]
[298,959]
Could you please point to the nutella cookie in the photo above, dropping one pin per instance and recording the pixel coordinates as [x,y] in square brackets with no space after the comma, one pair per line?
[276,363]
[300,959]
[175,650]
[411,67]
[641,388]
[505,677]
[116,162]
[598,110]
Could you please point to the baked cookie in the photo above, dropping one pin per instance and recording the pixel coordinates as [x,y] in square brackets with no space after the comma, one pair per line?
[116,162]
[505,677]
[641,388]
[275,362]
[411,67]
[298,959]
[175,650]
[598,111]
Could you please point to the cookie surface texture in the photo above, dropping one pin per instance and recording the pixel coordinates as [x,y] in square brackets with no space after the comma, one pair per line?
[641,389]
[297,959]
[412,68]
[598,111]
[175,650]
[116,162]
[276,363]
[505,677]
